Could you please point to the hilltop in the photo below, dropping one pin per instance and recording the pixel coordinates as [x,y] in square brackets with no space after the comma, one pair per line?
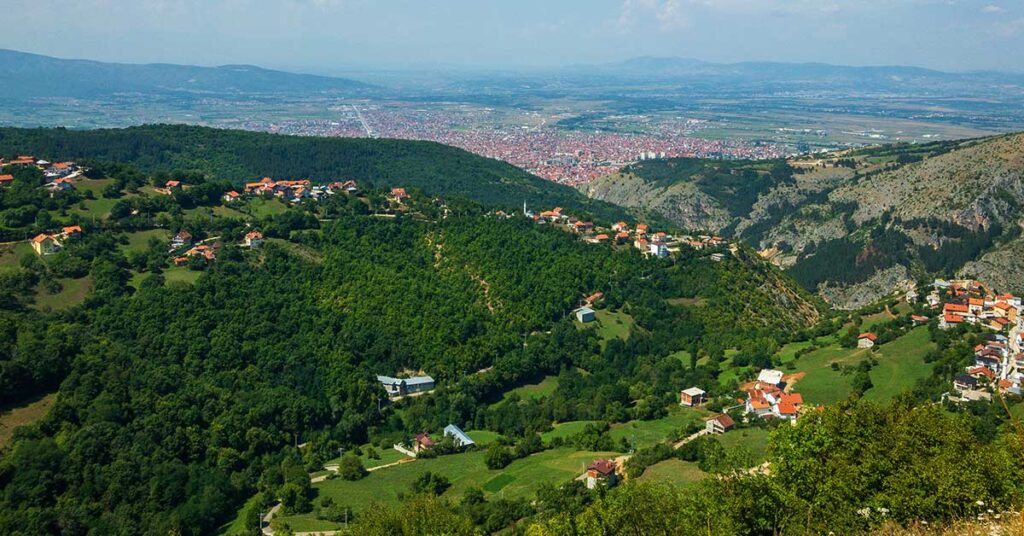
[240,156]
[852,225]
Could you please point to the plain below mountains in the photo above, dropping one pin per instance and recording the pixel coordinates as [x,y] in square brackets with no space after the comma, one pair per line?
[856,225]
[32,76]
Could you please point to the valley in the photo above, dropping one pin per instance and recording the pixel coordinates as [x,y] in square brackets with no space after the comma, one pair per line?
[225,334]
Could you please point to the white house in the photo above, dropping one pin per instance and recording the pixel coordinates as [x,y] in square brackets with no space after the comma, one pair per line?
[585,314]
[770,377]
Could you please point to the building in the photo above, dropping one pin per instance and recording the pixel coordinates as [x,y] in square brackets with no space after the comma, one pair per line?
[181,240]
[253,239]
[422,442]
[965,382]
[406,386]
[866,340]
[658,249]
[458,436]
[6,180]
[71,231]
[231,197]
[771,377]
[693,396]
[585,315]
[399,194]
[45,244]
[602,473]
[720,424]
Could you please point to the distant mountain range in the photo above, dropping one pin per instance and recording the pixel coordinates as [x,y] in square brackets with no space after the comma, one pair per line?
[34,76]
[689,69]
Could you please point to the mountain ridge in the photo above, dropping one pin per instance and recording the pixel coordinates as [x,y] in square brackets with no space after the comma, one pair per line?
[39,76]
[887,215]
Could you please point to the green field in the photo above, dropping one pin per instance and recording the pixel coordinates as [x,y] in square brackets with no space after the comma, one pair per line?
[676,472]
[683,356]
[139,240]
[875,319]
[482,437]
[237,525]
[788,352]
[519,480]
[11,254]
[613,325]
[222,211]
[730,372]
[821,384]
[532,391]
[95,186]
[260,207]
[647,433]
[181,274]
[26,412]
[900,365]
[97,208]
[385,456]
[73,292]
[754,440]
[565,429]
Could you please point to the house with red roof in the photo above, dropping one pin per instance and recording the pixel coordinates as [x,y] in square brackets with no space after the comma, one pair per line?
[6,180]
[422,442]
[253,239]
[45,244]
[719,424]
[866,340]
[602,473]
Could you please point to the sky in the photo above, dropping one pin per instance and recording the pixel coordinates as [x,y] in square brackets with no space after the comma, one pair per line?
[328,36]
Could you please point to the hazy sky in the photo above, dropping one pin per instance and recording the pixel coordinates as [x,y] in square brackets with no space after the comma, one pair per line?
[333,35]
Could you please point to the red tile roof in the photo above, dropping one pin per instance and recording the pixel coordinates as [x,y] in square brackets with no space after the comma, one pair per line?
[604,467]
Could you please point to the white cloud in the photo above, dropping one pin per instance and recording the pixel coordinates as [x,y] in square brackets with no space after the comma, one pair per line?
[993,9]
[669,14]
[1012,28]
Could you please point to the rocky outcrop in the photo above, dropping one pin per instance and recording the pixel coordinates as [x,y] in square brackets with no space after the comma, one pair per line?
[682,203]
[884,283]
[1002,268]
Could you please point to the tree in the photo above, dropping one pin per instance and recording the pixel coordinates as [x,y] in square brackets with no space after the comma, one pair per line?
[351,468]
[430,483]
[498,456]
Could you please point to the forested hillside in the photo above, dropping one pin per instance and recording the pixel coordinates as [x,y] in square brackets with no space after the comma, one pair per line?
[240,156]
[180,399]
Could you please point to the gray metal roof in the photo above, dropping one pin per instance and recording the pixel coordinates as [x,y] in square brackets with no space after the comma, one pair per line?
[460,437]
[415,380]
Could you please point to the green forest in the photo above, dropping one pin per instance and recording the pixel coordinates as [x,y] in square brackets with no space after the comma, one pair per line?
[239,156]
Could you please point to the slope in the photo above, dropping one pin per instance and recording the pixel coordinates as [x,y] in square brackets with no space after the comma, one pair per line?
[239,156]
[852,225]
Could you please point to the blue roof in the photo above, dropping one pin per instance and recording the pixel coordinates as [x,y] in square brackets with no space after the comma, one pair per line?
[460,437]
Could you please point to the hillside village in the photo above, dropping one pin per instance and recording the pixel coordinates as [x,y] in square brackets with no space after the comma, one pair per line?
[739,410]
[999,362]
